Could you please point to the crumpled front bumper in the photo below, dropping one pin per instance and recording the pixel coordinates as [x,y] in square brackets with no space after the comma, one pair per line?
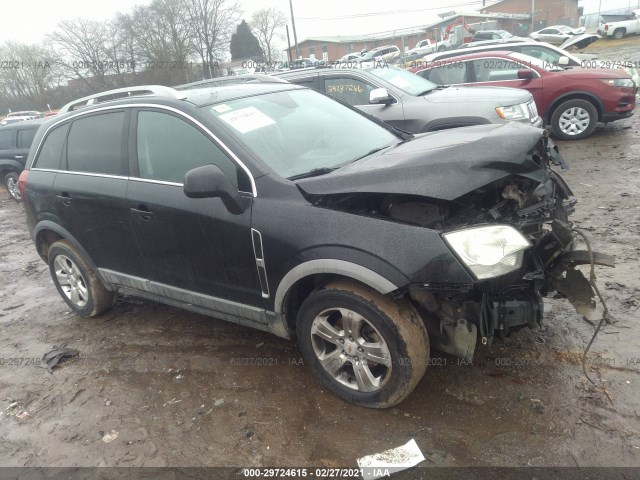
[559,259]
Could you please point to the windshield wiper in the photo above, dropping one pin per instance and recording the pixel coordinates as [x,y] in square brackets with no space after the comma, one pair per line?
[375,150]
[313,173]
[427,91]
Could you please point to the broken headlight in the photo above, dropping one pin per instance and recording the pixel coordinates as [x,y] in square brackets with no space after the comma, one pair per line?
[489,251]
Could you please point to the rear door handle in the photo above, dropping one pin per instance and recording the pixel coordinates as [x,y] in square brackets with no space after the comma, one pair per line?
[66,198]
[143,212]
[19,157]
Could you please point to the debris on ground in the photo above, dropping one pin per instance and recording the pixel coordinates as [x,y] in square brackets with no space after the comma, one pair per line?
[218,402]
[56,355]
[23,415]
[391,461]
[110,437]
[537,405]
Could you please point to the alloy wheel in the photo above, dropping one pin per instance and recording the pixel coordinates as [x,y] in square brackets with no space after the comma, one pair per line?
[351,349]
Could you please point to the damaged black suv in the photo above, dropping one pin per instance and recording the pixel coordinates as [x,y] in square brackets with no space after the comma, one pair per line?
[274,206]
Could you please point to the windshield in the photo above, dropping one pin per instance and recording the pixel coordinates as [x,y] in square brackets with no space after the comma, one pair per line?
[404,80]
[298,131]
[545,64]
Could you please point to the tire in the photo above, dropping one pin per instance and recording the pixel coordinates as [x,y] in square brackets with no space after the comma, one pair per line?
[77,282]
[334,352]
[574,119]
[619,33]
[10,182]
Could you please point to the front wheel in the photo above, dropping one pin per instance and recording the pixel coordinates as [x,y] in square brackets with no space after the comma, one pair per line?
[366,348]
[77,282]
[574,120]
[11,184]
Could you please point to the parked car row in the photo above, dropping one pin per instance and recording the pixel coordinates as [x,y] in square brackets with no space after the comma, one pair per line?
[15,117]
[267,204]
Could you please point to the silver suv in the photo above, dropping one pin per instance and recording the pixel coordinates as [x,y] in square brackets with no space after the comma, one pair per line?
[414,104]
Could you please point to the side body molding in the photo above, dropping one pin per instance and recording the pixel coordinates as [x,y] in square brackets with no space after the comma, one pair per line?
[338,267]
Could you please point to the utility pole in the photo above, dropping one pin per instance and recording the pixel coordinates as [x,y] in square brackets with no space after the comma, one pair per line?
[289,45]
[295,36]
[533,7]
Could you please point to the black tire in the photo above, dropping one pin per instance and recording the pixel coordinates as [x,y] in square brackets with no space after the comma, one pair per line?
[586,117]
[10,182]
[66,264]
[394,325]
[619,33]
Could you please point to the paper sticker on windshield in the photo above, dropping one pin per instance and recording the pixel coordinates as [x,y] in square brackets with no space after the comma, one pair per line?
[222,108]
[247,119]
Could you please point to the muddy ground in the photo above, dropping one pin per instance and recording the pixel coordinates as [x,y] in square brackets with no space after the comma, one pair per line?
[168,384]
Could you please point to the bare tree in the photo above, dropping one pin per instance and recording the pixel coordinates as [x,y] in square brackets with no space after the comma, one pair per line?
[84,46]
[213,22]
[264,24]
[31,70]
[163,36]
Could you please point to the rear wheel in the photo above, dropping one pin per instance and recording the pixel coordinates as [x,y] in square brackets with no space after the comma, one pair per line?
[77,282]
[574,120]
[366,348]
[11,184]
[619,33]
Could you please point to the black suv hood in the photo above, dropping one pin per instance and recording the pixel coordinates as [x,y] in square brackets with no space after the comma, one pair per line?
[442,165]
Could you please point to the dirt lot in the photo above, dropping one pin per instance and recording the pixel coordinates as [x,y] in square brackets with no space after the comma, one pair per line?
[168,383]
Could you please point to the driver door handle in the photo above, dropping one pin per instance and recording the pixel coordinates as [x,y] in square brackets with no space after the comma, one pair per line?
[143,212]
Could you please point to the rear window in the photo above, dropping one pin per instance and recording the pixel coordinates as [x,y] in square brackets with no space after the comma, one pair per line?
[25,137]
[95,144]
[51,151]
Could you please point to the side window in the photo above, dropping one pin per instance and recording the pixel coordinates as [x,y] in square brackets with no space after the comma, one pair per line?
[6,139]
[168,147]
[305,82]
[550,56]
[95,144]
[350,90]
[25,137]
[51,151]
[449,74]
[494,70]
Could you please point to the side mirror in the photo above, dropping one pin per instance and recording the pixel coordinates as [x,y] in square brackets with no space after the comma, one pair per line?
[525,74]
[380,96]
[209,181]
[563,60]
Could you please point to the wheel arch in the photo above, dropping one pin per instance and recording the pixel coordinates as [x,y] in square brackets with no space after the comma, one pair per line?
[301,280]
[46,233]
[575,95]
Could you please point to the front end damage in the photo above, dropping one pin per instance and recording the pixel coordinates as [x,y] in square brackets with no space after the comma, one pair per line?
[537,203]
[457,318]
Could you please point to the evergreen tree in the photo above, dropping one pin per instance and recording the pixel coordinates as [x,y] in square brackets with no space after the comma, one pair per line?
[244,45]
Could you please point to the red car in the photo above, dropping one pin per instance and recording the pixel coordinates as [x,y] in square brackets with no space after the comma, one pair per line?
[571,100]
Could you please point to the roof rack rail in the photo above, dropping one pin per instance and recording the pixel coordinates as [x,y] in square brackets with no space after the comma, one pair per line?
[232,79]
[120,93]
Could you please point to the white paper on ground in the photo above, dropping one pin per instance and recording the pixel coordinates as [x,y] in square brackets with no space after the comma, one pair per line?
[394,460]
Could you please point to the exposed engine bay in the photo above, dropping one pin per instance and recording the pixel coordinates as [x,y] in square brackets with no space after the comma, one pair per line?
[458,316]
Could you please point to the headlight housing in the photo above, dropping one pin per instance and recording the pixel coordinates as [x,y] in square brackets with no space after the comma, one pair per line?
[514,112]
[489,251]
[620,82]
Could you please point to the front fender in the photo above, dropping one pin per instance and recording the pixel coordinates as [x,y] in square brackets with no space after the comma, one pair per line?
[335,267]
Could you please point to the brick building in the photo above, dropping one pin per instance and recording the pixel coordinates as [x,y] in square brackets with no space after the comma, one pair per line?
[334,47]
[546,12]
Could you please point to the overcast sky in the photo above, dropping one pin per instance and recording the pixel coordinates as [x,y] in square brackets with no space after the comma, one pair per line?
[29,20]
